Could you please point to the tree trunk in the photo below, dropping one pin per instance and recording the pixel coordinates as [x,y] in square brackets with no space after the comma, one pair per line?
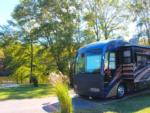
[31,60]
[21,79]
[17,80]
[106,35]
[105,31]
[71,72]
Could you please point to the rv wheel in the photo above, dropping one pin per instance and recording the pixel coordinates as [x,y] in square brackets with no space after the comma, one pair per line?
[120,91]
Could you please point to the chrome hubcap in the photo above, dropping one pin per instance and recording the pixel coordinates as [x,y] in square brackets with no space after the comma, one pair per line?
[121,91]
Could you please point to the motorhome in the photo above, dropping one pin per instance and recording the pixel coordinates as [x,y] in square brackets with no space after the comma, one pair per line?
[111,69]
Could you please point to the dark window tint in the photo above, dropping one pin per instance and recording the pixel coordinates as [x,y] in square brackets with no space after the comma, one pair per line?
[127,57]
[127,53]
[142,60]
[112,61]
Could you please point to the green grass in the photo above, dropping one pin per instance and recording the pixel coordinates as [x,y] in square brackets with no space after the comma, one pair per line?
[138,104]
[26,91]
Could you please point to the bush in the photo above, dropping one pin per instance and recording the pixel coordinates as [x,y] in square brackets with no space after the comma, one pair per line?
[61,89]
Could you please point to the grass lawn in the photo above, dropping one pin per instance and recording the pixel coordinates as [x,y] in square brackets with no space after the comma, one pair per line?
[137,104]
[26,91]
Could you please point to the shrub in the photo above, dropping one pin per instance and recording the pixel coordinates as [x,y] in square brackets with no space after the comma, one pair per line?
[59,82]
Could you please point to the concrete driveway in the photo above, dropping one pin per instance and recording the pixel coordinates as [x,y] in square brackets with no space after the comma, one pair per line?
[27,105]
[41,105]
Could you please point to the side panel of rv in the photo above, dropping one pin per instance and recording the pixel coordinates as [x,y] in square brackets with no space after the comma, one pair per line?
[136,73]
[133,70]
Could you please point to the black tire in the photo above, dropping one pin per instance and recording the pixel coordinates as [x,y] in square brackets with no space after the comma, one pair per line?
[121,90]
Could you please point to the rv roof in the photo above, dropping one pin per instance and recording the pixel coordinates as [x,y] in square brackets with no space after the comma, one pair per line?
[101,44]
[139,46]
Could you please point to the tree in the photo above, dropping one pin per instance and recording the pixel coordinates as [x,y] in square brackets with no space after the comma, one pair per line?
[52,24]
[25,16]
[12,49]
[143,41]
[105,17]
[140,9]
[17,57]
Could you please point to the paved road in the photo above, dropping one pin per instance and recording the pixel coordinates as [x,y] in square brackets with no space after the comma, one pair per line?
[47,105]
[41,105]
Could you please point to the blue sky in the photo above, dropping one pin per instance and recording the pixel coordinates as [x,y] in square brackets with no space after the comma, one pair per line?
[6,8]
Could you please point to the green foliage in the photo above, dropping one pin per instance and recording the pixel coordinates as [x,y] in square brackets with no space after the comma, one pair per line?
[55,25]
[17,60]
[1,53]
[139,10]
[61,89]
[21,73]
[65,101]
[105,18]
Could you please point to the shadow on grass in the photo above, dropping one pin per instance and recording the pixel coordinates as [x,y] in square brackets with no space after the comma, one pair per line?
[140,103]
[26,91]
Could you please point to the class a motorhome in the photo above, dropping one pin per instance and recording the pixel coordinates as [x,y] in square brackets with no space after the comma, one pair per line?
[111,68]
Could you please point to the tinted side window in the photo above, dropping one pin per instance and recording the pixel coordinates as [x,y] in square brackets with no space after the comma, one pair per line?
[112,61]
[142,60]
[127,56]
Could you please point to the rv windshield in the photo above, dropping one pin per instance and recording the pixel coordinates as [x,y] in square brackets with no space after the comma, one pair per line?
[88,63]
